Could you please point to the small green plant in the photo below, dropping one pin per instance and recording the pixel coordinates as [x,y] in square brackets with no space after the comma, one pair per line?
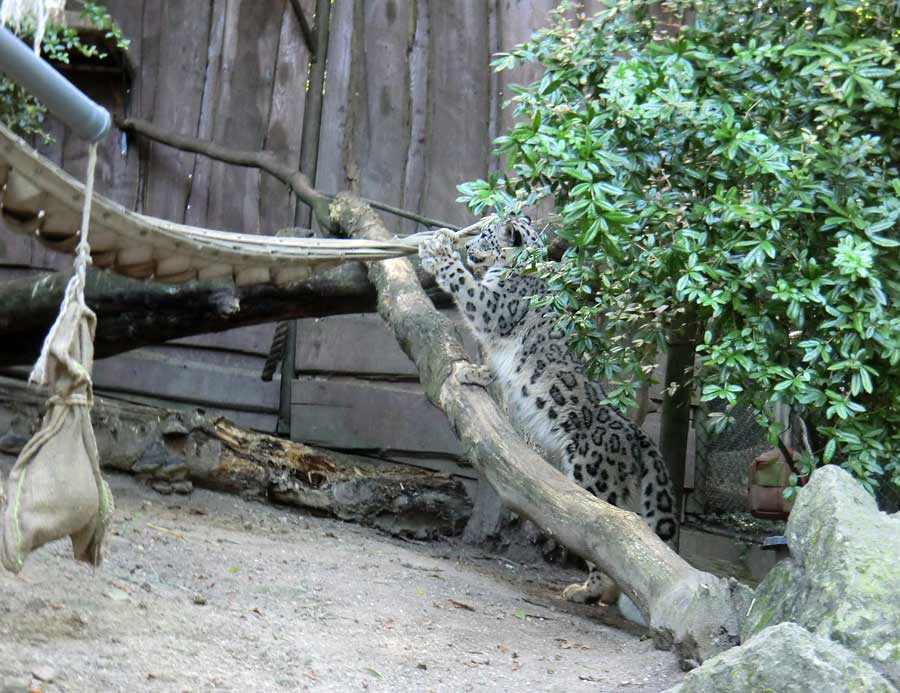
[727,175]
[18,109]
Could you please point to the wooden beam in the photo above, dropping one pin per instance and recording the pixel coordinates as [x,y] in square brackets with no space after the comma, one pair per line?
[134,313]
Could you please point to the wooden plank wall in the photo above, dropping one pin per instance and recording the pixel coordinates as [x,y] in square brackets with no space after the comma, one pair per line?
[410,110]
[229,70]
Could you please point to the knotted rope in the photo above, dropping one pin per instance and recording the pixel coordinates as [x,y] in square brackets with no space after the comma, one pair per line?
[75,287]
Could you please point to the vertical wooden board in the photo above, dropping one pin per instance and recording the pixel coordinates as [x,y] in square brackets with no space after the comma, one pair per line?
[147,57]
[249,50]
[285,126]
[517,20]
[198,199]
[459,105]
[15,248]
[381,90]
[183,41]
[331,171]
[414,171]
[348,414]
[118,168]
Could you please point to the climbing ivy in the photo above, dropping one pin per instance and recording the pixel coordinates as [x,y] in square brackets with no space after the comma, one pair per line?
[727,171]
[19,110]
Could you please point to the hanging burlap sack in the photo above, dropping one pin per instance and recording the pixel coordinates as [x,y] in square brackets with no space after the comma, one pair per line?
[55,489]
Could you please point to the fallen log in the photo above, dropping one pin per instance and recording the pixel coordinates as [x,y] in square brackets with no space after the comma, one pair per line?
[698,613]
[172,451]
[133,313]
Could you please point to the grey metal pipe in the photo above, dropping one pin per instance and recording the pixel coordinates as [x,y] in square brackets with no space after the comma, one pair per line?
[90,120]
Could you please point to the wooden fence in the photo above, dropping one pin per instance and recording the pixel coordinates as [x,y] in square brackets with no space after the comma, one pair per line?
[410,110]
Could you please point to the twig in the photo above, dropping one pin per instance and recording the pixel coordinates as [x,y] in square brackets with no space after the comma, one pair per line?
[266,161]
[263,160]
[308,37]
[406,214]
[177,535]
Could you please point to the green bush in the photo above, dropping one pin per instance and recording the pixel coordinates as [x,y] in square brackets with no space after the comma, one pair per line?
[18,109]
[727,169]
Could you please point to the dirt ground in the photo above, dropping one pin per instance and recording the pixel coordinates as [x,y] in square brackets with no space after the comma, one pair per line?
[209,592]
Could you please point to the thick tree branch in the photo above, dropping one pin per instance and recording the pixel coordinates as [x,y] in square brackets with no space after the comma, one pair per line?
[696,611]
[132,313]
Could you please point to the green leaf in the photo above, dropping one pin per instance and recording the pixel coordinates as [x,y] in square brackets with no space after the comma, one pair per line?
[830,449]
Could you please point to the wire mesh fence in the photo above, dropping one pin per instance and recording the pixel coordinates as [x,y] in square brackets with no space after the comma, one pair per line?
[722,463]
[723,459]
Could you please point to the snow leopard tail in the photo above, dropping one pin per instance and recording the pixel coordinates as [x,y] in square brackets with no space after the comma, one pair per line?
[657,492]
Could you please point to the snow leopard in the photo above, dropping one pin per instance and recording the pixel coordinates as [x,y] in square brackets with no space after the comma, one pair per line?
[544,383]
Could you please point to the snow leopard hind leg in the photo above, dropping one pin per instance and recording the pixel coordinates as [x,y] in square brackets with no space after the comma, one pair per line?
[607,479]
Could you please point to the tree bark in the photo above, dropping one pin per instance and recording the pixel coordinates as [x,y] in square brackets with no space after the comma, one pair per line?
[697,612]
[675,418]
[393,497]
[134,313]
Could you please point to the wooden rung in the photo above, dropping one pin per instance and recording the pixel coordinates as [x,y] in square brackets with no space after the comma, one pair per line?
[135,255]
[20,193]
[173,265]
[63,243]
[178,278]
[252,275]
[22,221]
[137,271]
[289,275]
[215,272]
[103,259]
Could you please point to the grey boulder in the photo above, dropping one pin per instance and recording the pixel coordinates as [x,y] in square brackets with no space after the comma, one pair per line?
[789,659]
[842,581]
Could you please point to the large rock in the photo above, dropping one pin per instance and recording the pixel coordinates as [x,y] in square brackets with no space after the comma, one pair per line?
[842,580]
[789,659]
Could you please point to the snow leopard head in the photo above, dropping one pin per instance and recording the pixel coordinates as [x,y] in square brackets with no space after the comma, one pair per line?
[498,244]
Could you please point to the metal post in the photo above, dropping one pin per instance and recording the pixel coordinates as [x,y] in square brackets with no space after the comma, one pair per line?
[65,101]
[309,157]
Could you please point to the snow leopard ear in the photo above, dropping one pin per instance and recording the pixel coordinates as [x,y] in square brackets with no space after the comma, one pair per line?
[517,239]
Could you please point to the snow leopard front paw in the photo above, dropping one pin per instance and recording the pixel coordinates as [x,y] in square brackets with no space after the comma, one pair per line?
[474,374]
[437,252]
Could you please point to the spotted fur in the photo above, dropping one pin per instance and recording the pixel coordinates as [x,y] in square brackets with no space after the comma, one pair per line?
[549,396]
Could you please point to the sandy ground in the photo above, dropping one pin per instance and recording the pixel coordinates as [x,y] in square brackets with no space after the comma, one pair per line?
[209,592]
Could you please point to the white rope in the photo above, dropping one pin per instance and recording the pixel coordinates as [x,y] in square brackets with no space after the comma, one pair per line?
[75,287]
[18,14]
